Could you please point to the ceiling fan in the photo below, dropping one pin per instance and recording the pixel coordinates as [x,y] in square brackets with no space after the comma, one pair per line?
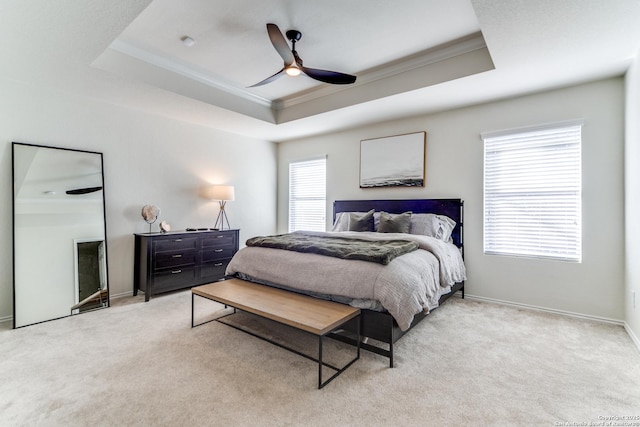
[79,191]
[293,63]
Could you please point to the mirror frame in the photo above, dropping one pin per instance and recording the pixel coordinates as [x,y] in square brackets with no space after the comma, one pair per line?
[13,218]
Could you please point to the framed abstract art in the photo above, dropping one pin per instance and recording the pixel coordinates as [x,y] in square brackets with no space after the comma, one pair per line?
[393,161]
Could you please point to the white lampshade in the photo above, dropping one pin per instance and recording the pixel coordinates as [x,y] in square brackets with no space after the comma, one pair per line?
[220,192]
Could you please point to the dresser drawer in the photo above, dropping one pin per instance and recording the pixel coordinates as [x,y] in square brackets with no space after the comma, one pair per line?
[212,271]
[176,278]
[220,239]
[175,259]
[217,253]
[175,244]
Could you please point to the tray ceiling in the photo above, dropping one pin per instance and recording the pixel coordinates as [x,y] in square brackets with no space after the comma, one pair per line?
[391,49]
[411,57]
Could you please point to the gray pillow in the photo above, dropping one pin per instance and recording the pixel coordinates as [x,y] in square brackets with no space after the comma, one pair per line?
[394,223]
[361,222]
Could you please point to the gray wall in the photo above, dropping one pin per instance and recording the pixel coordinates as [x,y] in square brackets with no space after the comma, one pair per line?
[147,159]
[455,169]
[632,199]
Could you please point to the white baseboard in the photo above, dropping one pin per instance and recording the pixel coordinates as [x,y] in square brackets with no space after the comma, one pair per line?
[121,295]
[633,336]
[111,296]
[545,309]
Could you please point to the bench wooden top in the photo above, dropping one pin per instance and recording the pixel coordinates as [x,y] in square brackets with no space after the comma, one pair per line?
[300,311]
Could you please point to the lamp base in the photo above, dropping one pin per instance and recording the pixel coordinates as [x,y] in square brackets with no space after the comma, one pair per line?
[222,218]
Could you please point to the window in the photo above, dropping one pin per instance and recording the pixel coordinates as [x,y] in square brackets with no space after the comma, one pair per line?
[307,195]
[532,192]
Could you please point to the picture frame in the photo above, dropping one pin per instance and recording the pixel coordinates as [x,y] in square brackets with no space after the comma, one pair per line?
[393,161]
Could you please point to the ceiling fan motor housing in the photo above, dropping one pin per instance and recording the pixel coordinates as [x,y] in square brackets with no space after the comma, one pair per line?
[293,35]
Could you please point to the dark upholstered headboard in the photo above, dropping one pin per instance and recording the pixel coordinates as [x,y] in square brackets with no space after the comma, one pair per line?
[453,208]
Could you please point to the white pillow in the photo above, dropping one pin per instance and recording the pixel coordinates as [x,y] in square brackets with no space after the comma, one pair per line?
[342,221]
[438,226]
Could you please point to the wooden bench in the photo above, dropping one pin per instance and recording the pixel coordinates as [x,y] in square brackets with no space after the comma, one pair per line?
[312,315]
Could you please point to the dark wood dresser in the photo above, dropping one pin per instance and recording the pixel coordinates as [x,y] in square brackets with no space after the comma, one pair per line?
[181,259]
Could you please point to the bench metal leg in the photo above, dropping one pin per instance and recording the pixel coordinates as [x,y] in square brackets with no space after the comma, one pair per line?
[338,371]
[217,319]
[321,384]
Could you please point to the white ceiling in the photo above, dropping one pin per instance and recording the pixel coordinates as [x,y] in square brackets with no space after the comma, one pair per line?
[411,57]
[44,174]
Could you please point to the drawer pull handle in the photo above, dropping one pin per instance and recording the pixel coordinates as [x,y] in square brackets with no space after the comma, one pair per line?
[219,237]
[176,271]
[176,256]
[177,240]
[218,250]
[217,264]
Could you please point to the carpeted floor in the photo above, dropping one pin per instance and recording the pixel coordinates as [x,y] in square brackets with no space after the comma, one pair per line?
[469,363]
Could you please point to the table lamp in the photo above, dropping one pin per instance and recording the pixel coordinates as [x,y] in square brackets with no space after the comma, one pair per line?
[223,194]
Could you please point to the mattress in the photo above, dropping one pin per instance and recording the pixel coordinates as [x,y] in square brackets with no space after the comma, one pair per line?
[409,284]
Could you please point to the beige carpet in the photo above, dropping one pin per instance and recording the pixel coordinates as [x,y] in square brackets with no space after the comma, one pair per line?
[469,363]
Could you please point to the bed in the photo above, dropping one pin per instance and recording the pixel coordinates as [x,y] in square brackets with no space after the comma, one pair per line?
[394,296]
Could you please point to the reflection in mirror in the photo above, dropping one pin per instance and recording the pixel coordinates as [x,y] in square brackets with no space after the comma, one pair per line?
[59,233]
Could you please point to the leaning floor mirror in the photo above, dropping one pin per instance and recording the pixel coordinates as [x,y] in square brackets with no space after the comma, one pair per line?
[59,233]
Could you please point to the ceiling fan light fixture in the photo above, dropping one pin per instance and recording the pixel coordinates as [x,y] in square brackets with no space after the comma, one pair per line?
[292,70]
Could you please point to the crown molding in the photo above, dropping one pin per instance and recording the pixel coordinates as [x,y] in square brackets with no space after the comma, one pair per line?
[187,71]
[422,59]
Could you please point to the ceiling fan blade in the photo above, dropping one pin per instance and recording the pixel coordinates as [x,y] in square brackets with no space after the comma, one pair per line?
[83,190]
[332,77]
[269,79]
[280,43]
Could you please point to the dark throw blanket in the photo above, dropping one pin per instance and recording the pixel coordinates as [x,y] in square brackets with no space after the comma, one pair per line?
[381,252]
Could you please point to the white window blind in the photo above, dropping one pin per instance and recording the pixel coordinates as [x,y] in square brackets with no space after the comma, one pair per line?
[307,194]
[532,192]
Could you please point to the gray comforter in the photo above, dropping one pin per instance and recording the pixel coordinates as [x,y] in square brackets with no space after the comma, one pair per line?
[382,252]
[409,284]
